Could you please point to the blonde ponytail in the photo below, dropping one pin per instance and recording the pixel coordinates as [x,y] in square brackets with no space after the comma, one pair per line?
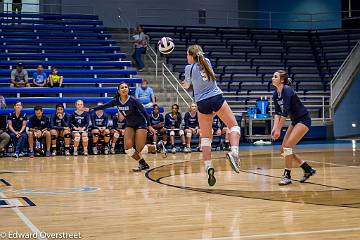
[196,52]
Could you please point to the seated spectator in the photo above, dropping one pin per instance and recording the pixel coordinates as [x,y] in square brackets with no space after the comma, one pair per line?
[140,45]
[16,122]
[19,77]
[39,126]
[60,127]
[39,77]
[54,79]
[219,129]
[2,102]
[157,121]
[4,139]
[79,123]
[173,121]
[99,125]
[191,126]
[118,130]
[145,94]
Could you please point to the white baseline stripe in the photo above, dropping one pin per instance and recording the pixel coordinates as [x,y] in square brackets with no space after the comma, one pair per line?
[25,219]
[287,234]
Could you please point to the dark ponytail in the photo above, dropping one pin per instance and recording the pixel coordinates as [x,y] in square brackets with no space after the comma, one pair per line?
[285,77]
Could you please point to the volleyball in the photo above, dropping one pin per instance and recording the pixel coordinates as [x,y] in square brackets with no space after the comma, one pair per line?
[166,45]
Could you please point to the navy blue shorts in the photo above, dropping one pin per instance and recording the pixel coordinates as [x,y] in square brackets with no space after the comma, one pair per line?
[210,105]
[138,126]
[306,120]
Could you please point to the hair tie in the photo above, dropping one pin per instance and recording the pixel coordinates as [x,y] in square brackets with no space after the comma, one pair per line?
[200,54]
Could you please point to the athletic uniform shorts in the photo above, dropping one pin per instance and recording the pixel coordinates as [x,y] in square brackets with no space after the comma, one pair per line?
[306,120]
[211,104]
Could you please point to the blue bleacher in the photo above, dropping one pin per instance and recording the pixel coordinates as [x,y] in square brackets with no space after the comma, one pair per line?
[76,44]
[89,80]
[65,72]
[70,63]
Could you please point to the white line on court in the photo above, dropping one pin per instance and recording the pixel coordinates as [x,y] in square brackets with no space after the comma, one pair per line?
[288,234]
[25,219]
[334,164]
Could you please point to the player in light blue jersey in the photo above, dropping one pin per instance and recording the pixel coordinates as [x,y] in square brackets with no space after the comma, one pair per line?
[210,101]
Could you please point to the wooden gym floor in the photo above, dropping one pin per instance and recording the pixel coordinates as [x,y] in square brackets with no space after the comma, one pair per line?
[99,198]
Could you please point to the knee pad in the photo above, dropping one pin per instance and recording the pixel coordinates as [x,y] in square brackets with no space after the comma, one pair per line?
[130,151]
[53,137]
[287,152]
[116,135]
[95,135]
[188,134]
[205,142]
[77,138]
[107,135]
[235,129]
[172,133]
[181,132]
[67,135]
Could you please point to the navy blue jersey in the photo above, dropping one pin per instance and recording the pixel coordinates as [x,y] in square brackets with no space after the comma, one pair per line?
[117,124]
[289,104]
[217,123]
[156,120]
[99,121]
[39,124]
[173,122]
[60,123]
[79,120]
[17,121]
[191,121]
[133,111]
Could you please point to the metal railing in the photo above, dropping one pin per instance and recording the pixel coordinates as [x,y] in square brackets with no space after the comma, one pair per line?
[173,81]
[344,76]
[152,55]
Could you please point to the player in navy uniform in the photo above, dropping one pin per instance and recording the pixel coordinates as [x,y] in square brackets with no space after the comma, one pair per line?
[17,125]
[287,103]
[137,124]
[60,127]
[99,125]
[173,121]
[79,123]
[219,129]
[118,130]
[191,126]
[39,126]
[157,122]
[210,101]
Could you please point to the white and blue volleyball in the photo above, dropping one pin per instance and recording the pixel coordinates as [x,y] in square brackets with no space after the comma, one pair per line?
[166,45]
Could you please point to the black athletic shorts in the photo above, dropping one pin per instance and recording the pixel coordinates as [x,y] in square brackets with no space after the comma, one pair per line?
[210,105]
[306,120]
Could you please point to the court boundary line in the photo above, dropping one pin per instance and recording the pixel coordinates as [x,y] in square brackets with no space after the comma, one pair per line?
[256,236]
[208,191]
[25,219]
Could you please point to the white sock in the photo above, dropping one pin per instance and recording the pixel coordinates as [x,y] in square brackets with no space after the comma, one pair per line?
[207,164]
[235,150]
[75,149]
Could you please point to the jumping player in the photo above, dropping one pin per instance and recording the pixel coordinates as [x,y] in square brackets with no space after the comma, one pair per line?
[137,123]
[210,100]
[287,103]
